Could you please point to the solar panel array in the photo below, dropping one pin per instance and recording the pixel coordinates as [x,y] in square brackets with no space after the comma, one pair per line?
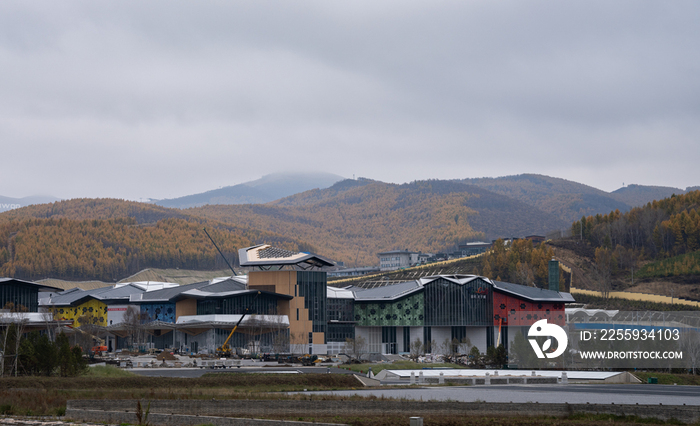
[275,253]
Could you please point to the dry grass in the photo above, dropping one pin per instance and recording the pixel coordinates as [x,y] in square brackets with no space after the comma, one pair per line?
[451,420]
[48,395]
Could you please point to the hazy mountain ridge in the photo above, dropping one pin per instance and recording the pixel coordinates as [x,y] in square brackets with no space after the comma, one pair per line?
[356,219]
[9,203]
[639,195]
[569,200]
[268,188]
[350,220]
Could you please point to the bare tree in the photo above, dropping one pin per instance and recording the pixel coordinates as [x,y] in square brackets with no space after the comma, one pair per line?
[299,342]
[417,349]
[462,346]
[17,316]
[357,346]
[604,267]
[447,349]
[628,259]
[49,319]
[280,337]
[524,274]
[690,344]
[4,316]
[134,321]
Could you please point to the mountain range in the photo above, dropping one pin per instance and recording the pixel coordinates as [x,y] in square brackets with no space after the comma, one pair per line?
[268,188]
[350,220]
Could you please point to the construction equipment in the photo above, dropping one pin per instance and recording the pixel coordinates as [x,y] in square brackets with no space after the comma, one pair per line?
[222,254]
[225,351]
[308,360]
[100,346]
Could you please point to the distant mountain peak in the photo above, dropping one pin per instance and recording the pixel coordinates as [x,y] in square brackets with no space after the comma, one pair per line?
[639,195]
[268,188]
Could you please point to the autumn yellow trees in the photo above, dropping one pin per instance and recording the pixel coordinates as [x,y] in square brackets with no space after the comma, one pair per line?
[520,262]
[107,249]
[354,225]
[660,229]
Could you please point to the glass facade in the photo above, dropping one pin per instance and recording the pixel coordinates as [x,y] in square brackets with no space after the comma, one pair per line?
[448,303]
[341,310]
[312,287]
[427,340]
[340,320]
[257,343]
[19,294]
[406,339]
[389,340]
[265,304]
[340,332]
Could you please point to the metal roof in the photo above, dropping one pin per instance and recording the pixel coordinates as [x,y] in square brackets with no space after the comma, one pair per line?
[74,296]
[230,284]
[339,293]
[398,290]
[40,287]
[166,294]
[201,294]
[264,255]
[220,288]
[398,252]
[533,293]
[389,292]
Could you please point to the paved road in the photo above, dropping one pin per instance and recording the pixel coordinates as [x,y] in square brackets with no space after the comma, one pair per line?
[573,394]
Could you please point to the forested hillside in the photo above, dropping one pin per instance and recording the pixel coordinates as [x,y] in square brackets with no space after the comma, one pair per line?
[353,220]
[364,220]
[521,262]
[651,249]
[660,229]
[110,239]
[495,215]
[640,195]
[565,199]
[95,208]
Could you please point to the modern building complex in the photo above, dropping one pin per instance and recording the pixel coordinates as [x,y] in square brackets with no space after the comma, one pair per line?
[290,308]
[439,310]
[471,249]
[398,259]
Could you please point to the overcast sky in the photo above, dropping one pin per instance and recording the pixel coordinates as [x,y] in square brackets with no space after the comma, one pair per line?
[163,99]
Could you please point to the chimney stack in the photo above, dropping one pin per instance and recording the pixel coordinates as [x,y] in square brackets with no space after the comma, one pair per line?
[554,274]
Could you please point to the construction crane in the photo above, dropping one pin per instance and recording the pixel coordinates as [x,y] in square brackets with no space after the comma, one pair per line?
[225,351]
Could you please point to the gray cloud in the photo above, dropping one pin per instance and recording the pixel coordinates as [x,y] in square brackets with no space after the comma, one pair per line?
[163,99]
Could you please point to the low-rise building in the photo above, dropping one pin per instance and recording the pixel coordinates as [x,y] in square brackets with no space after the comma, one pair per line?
[399,259]
[474,248]
[287,306]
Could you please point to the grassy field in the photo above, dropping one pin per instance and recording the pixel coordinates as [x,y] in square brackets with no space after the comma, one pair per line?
[669,379]
[48,395]
[37,396]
